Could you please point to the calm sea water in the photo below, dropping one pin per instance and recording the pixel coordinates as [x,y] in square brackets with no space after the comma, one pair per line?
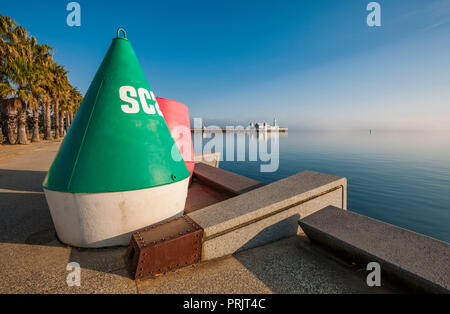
[402,178]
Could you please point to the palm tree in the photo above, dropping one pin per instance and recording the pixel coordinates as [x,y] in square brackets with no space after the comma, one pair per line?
[47,109]
[21,93]
[46,98]
[58,92]
[76,100]
[9,107]
[7,53]
[38,81]
[31,80]
[7,122]
[71,105]
[63,108]
[17,69]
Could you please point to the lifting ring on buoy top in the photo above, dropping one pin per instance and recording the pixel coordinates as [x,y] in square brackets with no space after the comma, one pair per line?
[124,33]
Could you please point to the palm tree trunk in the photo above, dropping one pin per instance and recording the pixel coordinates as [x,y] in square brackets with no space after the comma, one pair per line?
[11,125]
[36,138]
[3,120]
[8,125]
[61,123]
[69,120]
[47,122]
[57,134]
[44,118]
[2,123]
[22,134]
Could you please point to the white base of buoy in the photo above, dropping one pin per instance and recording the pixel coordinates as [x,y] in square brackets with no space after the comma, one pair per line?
[109,219]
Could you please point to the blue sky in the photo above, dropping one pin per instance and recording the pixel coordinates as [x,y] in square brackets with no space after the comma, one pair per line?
[310,64]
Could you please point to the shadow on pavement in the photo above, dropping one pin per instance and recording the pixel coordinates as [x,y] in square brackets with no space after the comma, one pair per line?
[25,219]
[294,265]
[22,180]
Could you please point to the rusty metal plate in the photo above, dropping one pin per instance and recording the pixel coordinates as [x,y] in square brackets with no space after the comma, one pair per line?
[165,247]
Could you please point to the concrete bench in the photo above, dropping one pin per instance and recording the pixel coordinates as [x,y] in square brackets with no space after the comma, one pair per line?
[265,214]
[223,180]
[419,261]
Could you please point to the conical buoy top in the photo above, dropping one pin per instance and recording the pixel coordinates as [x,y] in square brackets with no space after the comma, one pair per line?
[119,140]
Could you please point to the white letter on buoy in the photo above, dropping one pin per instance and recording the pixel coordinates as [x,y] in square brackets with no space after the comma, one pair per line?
[374,17]
[74,17]
[156,104]
[123,91]
[143,96]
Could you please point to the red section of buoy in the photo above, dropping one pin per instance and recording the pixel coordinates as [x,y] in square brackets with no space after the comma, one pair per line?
[176,115]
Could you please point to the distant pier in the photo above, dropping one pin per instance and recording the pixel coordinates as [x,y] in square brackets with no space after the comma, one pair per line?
[240,130]
[260,127]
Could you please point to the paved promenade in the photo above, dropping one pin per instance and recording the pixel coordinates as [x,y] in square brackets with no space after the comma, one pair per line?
[32,260]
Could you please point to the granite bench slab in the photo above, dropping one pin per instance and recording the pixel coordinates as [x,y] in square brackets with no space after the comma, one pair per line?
[417,260]
[265,214]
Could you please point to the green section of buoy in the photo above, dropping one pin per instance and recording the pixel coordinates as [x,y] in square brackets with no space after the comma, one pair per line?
[119,140]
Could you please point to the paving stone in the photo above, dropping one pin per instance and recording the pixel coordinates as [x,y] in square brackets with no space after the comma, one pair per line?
[285,266]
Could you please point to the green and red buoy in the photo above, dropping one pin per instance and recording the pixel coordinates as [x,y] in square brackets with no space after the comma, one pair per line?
[118,169]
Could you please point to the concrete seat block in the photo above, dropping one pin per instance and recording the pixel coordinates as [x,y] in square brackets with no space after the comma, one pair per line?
[268,213]
[224,180]
[417,260]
